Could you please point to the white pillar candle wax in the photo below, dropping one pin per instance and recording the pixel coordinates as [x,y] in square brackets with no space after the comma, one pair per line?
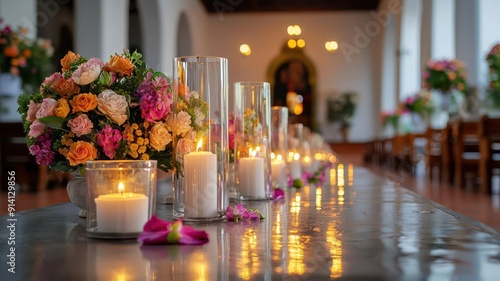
[251,176]
[278,172]
[307,164]
[294,166]
[121,212]
[200,185]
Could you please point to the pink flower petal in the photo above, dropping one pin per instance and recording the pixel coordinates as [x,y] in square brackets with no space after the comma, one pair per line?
[191,236]
[156,224]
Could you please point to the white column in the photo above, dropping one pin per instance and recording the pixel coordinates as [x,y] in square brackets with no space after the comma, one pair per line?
[467,38]
[443,29]
[489,15]
[101,27]
[24,13]
[410,75]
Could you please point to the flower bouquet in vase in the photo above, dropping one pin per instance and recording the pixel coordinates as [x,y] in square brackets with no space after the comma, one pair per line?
[95,110]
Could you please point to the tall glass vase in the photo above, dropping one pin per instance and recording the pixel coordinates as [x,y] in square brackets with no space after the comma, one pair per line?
[279,139]
[252,114]
[200,138]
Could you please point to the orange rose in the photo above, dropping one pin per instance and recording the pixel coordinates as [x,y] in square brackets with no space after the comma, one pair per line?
[67,60]
[120,65]
[66,87]
[27,53]
[84,102]
[62,108]
[81,152]
[11,51]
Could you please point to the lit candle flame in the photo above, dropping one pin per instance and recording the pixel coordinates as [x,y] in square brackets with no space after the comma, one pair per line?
[279,157]
[198,146]
[296,156]
[121,188]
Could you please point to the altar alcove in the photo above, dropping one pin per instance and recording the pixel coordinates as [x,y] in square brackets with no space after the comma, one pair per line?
[293,84]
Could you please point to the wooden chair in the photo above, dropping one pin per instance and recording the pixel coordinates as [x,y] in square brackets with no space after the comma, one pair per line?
[447,154]
[435,144]
[401,154]
[489,142]
[466,154]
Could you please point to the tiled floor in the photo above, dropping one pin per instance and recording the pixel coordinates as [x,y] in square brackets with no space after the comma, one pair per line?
[482,207]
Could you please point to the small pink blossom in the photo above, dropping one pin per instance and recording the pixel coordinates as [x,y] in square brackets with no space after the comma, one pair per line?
[52,79]
[32,110]
[239,213]
[184,146]
[87,72]
[36,129]
[278,194]
[80,125]
[47,108]
[109,139]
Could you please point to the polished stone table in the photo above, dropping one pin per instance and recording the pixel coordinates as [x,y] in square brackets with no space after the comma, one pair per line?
[361,228]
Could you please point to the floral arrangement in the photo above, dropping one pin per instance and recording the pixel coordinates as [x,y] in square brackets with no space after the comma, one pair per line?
[118,110]
[444,75]
[341,108]
[419,104]
[493,59]
[29,59]
[391,118]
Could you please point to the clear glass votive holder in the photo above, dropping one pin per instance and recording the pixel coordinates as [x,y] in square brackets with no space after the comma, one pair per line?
[200,138]
[121,197]
[252,114]
[279,138]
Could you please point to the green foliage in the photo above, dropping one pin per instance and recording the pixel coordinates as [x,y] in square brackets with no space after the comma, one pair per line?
[341,108]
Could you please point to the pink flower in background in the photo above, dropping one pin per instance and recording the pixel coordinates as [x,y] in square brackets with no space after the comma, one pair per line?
[32,110]
[158,232]
[42,151]
[278,194]
[239,213]
[155,99]
[81,125]
[109,139]
[47,108]
[88,72]
[231,130]
[52,79]
[36,129]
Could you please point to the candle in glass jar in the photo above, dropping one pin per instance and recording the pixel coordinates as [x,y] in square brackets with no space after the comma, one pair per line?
[121,212]
[200,184]
[251,176]
[307,164]
[294,166]
[278,171]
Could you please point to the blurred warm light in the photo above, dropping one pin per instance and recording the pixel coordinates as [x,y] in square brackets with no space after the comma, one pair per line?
[273,156]
[296,156]
[299,99]
[297,30]
[292,43]
[298,109]
[301,43]
[319,193]
[293,30]
[245,50]
[331,46]
[340,175]
[296,264]
[334,239]
[350,175]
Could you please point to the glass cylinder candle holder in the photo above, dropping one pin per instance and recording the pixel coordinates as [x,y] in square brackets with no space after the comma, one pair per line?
[200,138]
[121,197]
[295,152]
[279,135]
[252,106]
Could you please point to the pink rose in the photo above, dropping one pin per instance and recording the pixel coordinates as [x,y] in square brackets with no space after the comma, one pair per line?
[184,146]
[87,72]
[52,79]
[182,123]
[81,125]
[32,110]
[36,129]
[113,105]
[47,108]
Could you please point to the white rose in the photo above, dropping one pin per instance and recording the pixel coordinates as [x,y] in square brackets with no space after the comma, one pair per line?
[182,124]
[113,105]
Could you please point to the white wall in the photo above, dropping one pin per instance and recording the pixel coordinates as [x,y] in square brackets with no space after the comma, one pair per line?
[266,34]
[23,13]
[489,35]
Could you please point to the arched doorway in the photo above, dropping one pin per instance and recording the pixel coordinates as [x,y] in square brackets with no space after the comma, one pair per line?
[293,82]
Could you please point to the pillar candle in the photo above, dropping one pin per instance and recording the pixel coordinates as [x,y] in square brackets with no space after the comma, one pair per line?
[251,177]
[278,172]
[200,185]
[295,169]
[121,212]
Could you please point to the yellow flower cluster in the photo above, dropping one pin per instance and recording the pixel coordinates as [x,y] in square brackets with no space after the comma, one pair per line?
[137,140]
[66,141]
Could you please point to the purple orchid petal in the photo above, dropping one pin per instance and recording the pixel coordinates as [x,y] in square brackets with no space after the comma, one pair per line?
[156,224]
[278,194]
[191,236]
[157,232]
[153,238]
